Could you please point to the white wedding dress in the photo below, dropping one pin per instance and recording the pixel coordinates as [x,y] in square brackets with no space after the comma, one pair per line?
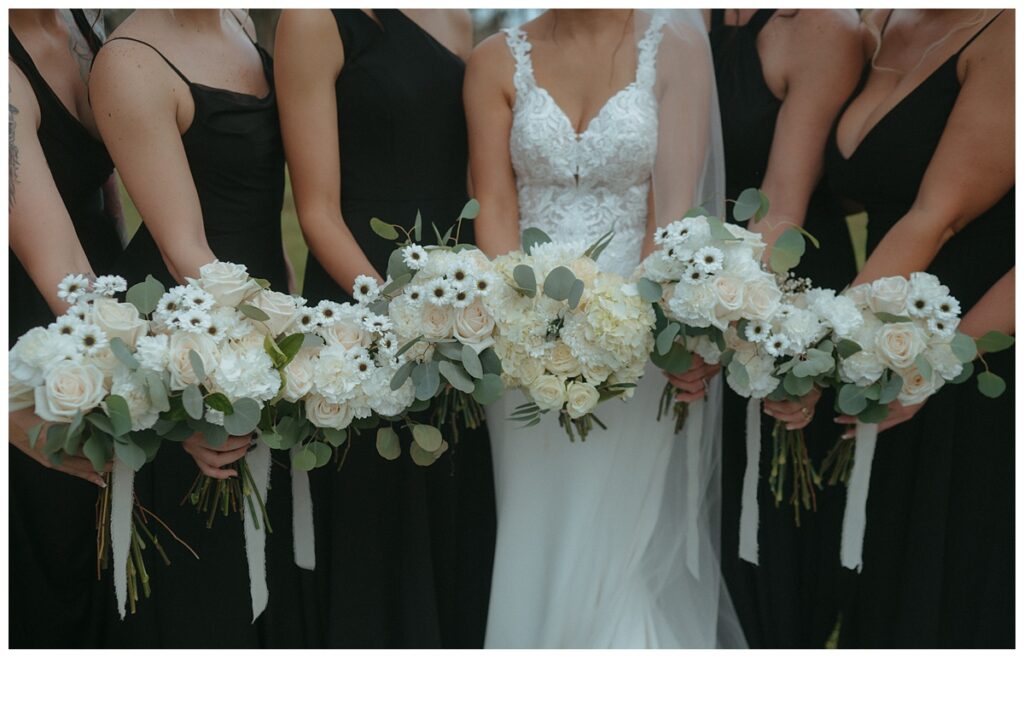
[600,543]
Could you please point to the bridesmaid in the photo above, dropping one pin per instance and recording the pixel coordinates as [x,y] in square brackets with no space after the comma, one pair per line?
[926,146]
[373,125]
[185,101]
[63,218]
[783,76]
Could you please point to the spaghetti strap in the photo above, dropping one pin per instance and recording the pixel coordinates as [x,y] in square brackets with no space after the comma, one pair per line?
[241,24]
[981,30]
[759,20]
[87,30]
[174,68]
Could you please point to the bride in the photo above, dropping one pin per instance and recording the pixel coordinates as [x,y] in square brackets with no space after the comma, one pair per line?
[581,122]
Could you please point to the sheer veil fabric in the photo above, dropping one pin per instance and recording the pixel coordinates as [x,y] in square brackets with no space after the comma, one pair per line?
[613,542]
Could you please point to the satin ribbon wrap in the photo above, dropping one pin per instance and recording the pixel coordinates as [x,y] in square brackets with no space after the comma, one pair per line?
[302,517]
[121,496]
[258,461]
[855,517]
[751,478]
[693,431]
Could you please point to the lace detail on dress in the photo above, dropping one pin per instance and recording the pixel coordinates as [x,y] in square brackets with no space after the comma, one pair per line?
[577,187]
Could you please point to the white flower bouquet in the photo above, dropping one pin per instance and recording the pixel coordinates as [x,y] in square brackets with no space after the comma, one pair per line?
[567,334]
[81,376]
[439,299]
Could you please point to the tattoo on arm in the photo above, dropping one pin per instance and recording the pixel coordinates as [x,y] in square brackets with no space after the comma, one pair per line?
[13,156]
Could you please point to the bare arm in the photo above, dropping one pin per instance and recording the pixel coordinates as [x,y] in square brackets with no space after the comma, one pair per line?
[142,109]
[19,423]
[488,97]
[823,63]
[973,166]
[42,235]
[309,56]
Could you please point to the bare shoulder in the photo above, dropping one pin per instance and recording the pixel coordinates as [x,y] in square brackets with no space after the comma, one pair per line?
[127,74]
[492,57]
[827,25]
[682,42]
[461,24]
[306,25]
[991,55]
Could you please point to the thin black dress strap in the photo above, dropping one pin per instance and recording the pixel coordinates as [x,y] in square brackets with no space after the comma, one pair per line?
[241,24]
[759,19]
[22,59]
[174,68]
[980,31]
[87,30]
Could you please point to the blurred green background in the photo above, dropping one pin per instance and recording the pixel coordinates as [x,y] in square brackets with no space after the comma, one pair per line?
[485,22]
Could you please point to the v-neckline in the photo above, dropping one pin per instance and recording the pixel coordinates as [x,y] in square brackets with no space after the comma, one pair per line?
[561,111]
[75,121]
[927,79]
[382,28]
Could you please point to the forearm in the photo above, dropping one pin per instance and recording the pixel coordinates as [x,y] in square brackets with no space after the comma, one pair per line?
[335,247]
[995,310]
[910,246]
[497,227]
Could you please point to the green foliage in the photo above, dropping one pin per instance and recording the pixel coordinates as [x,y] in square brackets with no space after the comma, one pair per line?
[532,236]
[388,445]
[383,229]
[145,295]
[244,419]
[994,342]
[788,250]
[120,417]
[525,279]
[252,312]
[990,384]
[649,290]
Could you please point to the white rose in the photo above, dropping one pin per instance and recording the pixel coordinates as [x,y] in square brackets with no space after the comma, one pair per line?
[132,388]
[227,282]
[548,392]
[179,362]
[889,295]
[298,375]
[70,387]
[761,301]
[899,344]
[862,368]
[729,294]
[474,326]
[31,355]
[118,320]
[19,396]
[916,387]
[860,295]
[562,362]
[327,415]
[580,398]
[346,333]
[280,307]
[436,322]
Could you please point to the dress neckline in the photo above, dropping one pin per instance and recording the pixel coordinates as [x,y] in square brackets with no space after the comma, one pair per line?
[631,86]
[954,58]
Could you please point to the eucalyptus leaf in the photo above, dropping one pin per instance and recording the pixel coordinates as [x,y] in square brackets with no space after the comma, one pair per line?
[219,402]
[120,416]
[575,293]
[847,347]
[253,312]
[388,445]
[738,374]
[719,231]
[145,295]
[291,345]
[428,437]
[665,339]
[335,437]
[924,366]
[454,374]
[788,250]
[157,391]
[488,389]
[130,453]
[244,419]
[525,279]
[797,386]
[420,456]
[490,361]
[304,459]
[994,341]
[965,374]
[964,347]
[197,365]
[426,377]
[892,318]
[192,400]
[96,451]
[451,351]
[121,352]
[402,375]
[747,205]
[396,264]
[33,434]
[677,360]
[891,388]
[851,399]
[874,413]
[558,283]
[417,227]
[100,421]
[990,384]
[383,229]
[649,290]
[471,362]
[532,236]
[321,451]
[471,210]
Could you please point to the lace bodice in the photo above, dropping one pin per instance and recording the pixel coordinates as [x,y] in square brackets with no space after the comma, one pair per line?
[580,186]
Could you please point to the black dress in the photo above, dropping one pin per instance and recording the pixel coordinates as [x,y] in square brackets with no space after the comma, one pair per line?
[236,158]
[54,598]
[789,600]
[404,553]
[939,546]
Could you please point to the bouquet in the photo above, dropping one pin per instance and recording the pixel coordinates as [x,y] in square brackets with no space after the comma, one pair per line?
[567,334]
[80,376]
[905,349]
[440,301]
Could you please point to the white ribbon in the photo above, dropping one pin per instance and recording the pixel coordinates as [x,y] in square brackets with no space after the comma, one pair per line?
[302,517]
[258,461]
[121,496]
[693,430]
[855,517]
[751,479]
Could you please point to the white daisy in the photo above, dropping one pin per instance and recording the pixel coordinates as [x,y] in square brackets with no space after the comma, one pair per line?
[72,287]
[365,289]
[776,344]
[197,298]
[170,303]
[327,311]
[415,293]
[708,259]
[919,306]
[485,283]
[197,321]
[757,331]
[66,324]
[414,257]
[439,292]
[90,338]
[694,275]
[947,307]
[943,329]
[307,320]
[109,285]
[376,323]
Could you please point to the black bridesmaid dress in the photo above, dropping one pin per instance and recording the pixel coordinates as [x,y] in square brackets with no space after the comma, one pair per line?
[939,547]
[403,553]
[236,158]
[54,597]
[789,600]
